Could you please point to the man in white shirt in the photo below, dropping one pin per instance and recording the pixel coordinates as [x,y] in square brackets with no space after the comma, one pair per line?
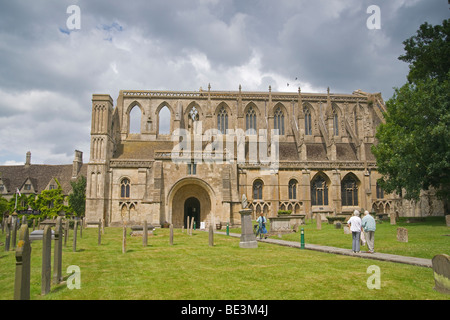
[354,223]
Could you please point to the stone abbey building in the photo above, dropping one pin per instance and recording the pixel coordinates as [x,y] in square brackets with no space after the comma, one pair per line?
[305,152]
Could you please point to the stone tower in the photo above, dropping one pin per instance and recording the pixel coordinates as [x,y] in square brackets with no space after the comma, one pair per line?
[100,153]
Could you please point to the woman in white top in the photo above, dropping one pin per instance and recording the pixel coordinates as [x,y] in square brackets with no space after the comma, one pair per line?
[354,224]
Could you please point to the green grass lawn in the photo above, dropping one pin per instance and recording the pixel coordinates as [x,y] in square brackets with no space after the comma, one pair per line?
[192,270]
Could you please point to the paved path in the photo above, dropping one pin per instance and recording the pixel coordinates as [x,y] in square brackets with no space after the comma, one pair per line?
[348,252]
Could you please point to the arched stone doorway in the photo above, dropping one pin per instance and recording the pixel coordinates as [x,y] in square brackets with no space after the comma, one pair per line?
[191,197]
[192,210]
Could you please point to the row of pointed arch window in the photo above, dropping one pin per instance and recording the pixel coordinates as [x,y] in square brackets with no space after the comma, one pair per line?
[319,191]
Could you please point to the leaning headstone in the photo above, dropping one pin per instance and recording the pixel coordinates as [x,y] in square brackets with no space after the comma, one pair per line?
[192,226]
[23,266]
[211,235]
[248,238]
[171,234]
[402,234]
[46,260]
[347,230]
[57,255]
[441,271]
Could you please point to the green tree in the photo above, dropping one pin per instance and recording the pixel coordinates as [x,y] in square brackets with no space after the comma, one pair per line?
[413,149]
[77,199]
[428,52]
[50,202]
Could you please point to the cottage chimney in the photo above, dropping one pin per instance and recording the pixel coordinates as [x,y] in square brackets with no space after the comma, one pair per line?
[77,163]
[28,159]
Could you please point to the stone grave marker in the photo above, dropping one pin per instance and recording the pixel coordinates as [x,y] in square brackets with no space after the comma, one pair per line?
[441,272]
[46,260]
[402,234]
[192,226]
[318,221]
[124,239]
[171,234]
[248,238]
[75,229]
[99,240]
[145,234]
[211,235]
[393,218]
[447,220]
[14,230]
[57,255]
[23,265]
[7,235]
[66,232]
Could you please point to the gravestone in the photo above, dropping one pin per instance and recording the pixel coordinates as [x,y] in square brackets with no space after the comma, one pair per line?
[23,265]
[402,234]
[393,218]
[46,260]
[99,240]
[8,235]
[192,226]
[124,239]
[248,238]
[338,225]
[39,234]
[447,220]
[171,234]
[14,230]
[57,255]
[211,236]
[441,272]
[347,230]
[318,221]
[75,229]
[145,234]
[66,232]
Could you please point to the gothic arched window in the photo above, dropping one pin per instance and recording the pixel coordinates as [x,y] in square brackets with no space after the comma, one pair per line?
[257,190]
[250,120]
[308,124]
[222,120]
[319,191]
[125,188]
[335,123]
[349,191]
[278,120]
[292,189]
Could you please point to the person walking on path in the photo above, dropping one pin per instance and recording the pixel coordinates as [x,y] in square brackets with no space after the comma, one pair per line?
[261,226]
[369,226]
[354,223]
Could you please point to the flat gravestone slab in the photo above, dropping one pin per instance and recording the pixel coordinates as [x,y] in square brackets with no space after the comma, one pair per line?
[39,234]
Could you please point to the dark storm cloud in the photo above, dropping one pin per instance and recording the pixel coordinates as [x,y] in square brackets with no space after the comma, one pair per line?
[49,72]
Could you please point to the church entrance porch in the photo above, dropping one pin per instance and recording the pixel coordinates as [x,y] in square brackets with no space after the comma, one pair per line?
[190,197]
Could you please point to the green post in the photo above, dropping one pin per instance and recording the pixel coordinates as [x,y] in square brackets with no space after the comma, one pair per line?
[302,239]
[228,229]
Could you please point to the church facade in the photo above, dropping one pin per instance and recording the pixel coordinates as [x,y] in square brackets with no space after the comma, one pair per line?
[305,152]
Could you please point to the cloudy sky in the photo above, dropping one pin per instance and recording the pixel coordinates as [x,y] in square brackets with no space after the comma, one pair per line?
[50,66]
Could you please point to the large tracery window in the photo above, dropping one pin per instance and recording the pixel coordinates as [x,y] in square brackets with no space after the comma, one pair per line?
[222,120]
[257,190]
[349,191]
[279,121]
[250,121]
[319,191]
[125,188]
